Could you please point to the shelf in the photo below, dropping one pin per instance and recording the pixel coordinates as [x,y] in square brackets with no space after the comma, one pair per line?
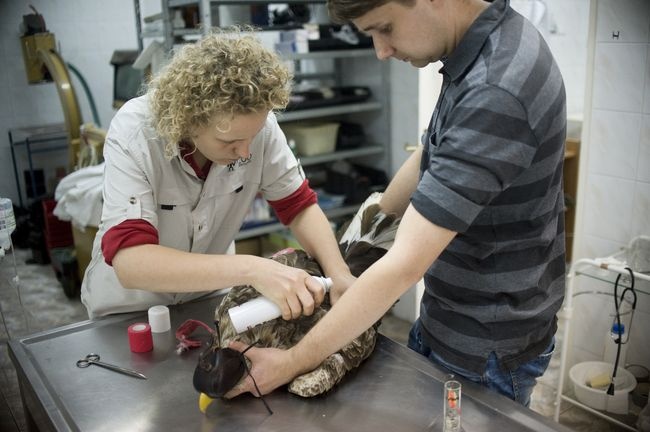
[35,139]
[328,111]
[181,3]
[248,2]
[569,154]
[36,134]
[339,155]
[328,68]
[605,270]
[277,226]
[329,54]
[596,270]
[187,32]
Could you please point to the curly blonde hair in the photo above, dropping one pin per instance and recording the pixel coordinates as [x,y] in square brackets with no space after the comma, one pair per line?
[224,74]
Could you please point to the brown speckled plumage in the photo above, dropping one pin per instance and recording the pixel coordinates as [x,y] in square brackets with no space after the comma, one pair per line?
[364,240]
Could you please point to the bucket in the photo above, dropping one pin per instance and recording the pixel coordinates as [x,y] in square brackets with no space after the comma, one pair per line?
[582,373]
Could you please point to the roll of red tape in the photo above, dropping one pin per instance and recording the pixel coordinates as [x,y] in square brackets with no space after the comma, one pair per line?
[140,339]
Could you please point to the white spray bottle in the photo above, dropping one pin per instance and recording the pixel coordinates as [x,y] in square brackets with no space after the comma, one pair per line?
[261,309]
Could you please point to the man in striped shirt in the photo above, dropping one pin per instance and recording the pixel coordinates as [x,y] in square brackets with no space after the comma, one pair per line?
[481,201]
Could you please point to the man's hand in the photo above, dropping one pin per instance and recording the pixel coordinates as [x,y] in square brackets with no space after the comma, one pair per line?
[271,368]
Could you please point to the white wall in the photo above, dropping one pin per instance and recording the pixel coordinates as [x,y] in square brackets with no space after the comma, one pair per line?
[614,188]
[87,32]
[564,25]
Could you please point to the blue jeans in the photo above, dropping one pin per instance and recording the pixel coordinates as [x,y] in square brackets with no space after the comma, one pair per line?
[516,384]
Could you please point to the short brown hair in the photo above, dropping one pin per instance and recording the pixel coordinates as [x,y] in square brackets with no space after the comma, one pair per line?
[342,11]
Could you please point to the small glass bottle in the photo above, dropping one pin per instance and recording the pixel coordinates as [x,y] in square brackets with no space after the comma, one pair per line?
[451,397]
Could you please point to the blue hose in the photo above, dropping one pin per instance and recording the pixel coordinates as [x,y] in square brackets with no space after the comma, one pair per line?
[89,95]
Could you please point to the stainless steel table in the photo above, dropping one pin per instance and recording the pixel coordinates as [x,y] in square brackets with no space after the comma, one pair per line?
[394,390]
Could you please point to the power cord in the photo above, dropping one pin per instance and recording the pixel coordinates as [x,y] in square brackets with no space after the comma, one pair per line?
[618,340]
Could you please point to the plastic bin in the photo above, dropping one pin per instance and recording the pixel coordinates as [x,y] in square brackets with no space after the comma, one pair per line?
[58,233]
[581,373]
[312,138]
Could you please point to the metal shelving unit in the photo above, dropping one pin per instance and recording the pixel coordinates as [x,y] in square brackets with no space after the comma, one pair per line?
[371,112]
[36,139]
[277,226]
[601,269]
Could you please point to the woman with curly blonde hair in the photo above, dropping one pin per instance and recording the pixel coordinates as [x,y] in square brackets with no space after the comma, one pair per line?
[183,165]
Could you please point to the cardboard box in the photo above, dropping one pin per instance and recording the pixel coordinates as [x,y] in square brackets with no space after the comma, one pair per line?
[251,246]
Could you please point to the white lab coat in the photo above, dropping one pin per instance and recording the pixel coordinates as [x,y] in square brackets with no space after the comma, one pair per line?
[189,214]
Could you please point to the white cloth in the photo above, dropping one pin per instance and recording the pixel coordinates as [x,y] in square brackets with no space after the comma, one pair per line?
[153,55]
[189,214]
[79,197]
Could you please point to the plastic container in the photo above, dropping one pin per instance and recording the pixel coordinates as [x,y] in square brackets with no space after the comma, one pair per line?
[7,222]
[611,346]
[312,138]
[582,373]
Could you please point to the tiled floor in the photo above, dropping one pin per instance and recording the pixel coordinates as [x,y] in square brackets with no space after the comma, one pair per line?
[40,304]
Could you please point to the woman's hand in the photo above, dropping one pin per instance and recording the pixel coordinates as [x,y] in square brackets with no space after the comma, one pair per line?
[294,291]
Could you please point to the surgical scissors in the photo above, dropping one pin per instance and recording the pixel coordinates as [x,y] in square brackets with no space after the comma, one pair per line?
[93,358]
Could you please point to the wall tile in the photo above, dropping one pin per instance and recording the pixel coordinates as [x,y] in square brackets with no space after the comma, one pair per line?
[579,355]
[574,83]
[643,169]
[87,31]
[71,41]
[641,210]
[591,321]
[619,76]
[118,11]
[614,145]
[569,47]
[570,17]
[638,350]
[6,110]
[646,99]
[643,301]
[598,247]
[16,76]
[11,45]
[607,207]
[630,18]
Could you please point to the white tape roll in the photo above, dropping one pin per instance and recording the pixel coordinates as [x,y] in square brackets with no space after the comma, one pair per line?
[159,319]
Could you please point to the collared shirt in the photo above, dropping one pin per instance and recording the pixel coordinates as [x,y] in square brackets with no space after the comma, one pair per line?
[189,214]
[492,172]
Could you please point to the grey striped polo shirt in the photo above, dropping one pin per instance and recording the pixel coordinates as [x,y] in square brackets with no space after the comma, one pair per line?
[492,171]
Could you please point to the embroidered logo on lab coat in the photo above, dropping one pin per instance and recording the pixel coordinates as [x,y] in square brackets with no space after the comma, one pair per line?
[240,162]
